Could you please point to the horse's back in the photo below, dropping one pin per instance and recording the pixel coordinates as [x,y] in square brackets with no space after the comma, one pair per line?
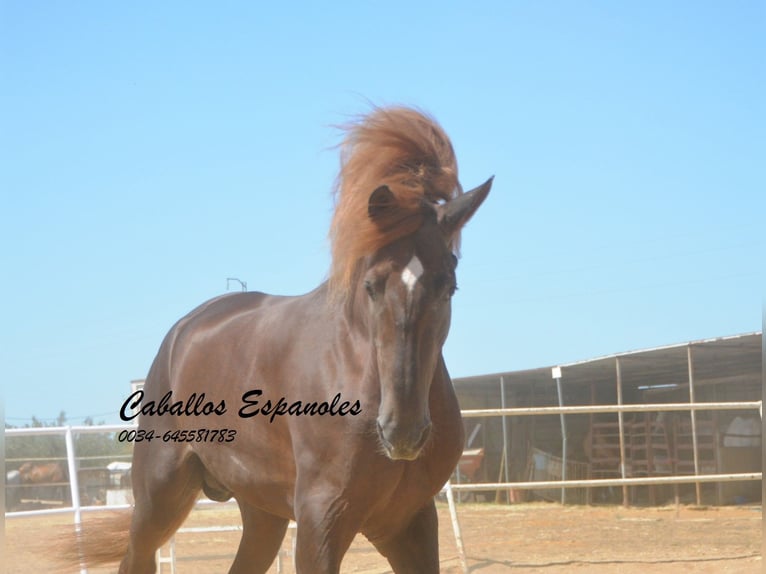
[195,328]
[223,308]
[221,342]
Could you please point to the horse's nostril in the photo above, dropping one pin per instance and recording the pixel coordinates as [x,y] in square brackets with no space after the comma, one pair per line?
[401,443]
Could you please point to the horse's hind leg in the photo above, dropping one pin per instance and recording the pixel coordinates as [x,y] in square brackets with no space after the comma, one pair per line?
[262,535]
[166,481]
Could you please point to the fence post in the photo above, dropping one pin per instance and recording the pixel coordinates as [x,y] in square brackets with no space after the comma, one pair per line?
[74,488]
[506,459]
[556,374]
[693,413]
[621,432]
[456,527]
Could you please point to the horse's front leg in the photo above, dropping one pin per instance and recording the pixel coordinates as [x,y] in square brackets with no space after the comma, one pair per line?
[415,548]
[262,535]
[326,529]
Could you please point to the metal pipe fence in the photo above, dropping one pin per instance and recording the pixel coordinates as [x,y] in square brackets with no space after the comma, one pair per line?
[473,413]
[596,409]
[77,510]
[605,482]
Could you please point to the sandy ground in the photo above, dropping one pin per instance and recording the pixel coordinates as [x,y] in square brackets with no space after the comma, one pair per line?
[521,538]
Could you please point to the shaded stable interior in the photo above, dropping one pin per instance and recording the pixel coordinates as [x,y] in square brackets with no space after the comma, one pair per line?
[726,369]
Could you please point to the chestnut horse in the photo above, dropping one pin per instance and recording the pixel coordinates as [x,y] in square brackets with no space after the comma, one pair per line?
[334,408]
[45,481]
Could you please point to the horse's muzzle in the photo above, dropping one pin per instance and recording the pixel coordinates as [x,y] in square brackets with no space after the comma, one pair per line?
[403,443]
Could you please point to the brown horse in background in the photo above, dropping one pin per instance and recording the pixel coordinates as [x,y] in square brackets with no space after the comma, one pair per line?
[35,473]
[45,481]
[369,429]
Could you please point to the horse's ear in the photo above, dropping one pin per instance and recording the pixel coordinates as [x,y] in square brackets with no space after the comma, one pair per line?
[380,203]
[455,213]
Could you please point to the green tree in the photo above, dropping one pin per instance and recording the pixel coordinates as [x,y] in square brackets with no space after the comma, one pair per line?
[91,449]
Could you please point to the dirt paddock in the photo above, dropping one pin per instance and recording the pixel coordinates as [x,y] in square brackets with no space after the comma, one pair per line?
[540,537]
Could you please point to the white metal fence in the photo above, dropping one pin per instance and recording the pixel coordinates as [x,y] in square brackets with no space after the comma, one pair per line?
[77,509]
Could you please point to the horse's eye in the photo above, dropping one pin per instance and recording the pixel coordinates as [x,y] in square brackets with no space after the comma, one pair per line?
[449,292]
[445,286]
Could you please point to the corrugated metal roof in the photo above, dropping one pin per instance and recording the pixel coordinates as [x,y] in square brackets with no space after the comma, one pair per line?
[723,360]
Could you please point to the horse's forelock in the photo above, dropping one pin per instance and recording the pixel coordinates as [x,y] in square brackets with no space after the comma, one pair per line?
[409,152]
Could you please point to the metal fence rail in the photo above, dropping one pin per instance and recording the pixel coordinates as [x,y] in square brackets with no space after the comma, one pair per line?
[74,489]
[637,481]
[623,481]
[77,509]
[473,413]
[600,409]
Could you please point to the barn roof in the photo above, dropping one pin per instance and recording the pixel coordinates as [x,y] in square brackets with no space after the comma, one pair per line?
[723,360]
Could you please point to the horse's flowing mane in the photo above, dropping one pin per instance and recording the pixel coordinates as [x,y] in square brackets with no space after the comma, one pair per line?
[409,152]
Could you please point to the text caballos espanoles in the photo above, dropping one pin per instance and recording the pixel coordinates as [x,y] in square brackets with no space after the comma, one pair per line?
[199,405]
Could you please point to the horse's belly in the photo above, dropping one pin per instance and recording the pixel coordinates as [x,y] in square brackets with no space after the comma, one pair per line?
[255,472]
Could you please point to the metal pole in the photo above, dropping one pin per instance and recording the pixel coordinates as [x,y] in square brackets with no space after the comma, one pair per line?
[456,527]
[74,488]
[697,485]
[620,428]
[506,458]
[242,284]
[600,482]
[556,373]
[601,409]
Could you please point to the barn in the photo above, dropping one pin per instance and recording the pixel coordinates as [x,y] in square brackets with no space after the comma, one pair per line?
[725,369]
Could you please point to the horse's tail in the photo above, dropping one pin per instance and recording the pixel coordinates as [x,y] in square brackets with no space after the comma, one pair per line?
[102,539]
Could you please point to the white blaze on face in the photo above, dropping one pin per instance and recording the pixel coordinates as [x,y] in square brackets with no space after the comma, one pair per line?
[412,273]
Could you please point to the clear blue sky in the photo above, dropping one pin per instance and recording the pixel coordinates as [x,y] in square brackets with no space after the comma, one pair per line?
[150,150]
